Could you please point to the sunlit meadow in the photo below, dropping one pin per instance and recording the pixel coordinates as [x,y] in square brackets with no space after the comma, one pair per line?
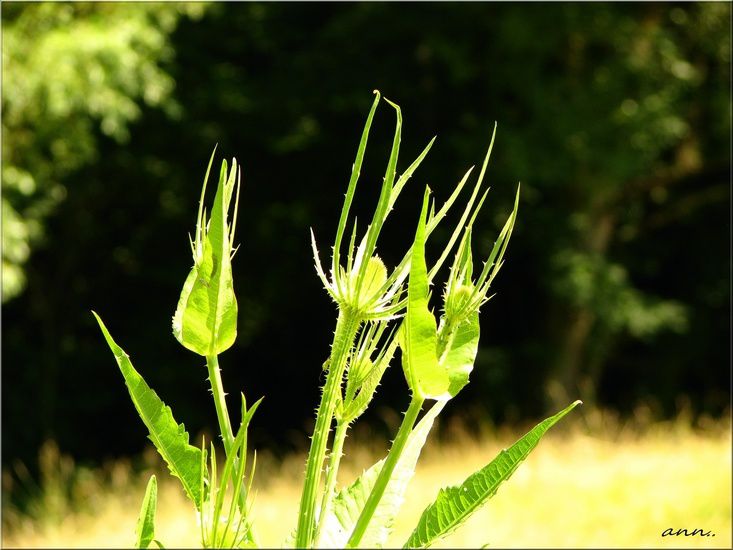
[594,483]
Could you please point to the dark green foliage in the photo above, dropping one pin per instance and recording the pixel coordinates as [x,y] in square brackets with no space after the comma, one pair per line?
[615,118]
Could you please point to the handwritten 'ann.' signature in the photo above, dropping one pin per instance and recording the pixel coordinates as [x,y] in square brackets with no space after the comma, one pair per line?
[685,533]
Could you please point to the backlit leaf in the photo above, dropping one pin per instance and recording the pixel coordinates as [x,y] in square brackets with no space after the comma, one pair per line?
[425,376]
[460,354]
[169,437]
[455,504]
[206,317]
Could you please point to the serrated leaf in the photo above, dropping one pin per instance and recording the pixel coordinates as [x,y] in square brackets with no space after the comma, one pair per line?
[145,529]
[350,501]
[425,376]
[169,437]
[205,320]
[455,504]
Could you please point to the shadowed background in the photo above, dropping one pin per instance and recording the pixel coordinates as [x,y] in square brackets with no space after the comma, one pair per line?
[614,117]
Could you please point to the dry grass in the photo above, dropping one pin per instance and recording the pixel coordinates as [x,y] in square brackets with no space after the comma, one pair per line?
[596,485]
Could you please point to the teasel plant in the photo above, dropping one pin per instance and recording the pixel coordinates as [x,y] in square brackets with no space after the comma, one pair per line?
[379,310]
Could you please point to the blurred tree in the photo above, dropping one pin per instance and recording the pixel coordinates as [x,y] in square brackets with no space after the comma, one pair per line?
[67,68]
[76,76]
[615,117]
[629,115]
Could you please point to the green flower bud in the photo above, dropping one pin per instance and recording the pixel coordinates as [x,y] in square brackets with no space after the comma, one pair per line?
[457,303]
[205,321]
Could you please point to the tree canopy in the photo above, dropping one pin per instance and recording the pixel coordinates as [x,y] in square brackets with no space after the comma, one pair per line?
[614,117]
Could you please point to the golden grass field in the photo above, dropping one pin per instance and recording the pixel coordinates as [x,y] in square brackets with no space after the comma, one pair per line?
[592,483]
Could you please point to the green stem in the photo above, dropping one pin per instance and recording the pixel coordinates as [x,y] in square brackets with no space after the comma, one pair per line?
[333,467]
[386,473]
[217,390]
[225,427]
[346,329]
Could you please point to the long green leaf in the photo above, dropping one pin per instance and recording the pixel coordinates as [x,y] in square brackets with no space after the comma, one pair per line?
[382,210]
[455,504]
[425,376]
[169,437]
[407,174]
[355,172]
[145,529]
[350,501]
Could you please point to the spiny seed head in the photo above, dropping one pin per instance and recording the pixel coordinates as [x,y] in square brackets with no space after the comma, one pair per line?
[457,302]
[362,292]
[374,278]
